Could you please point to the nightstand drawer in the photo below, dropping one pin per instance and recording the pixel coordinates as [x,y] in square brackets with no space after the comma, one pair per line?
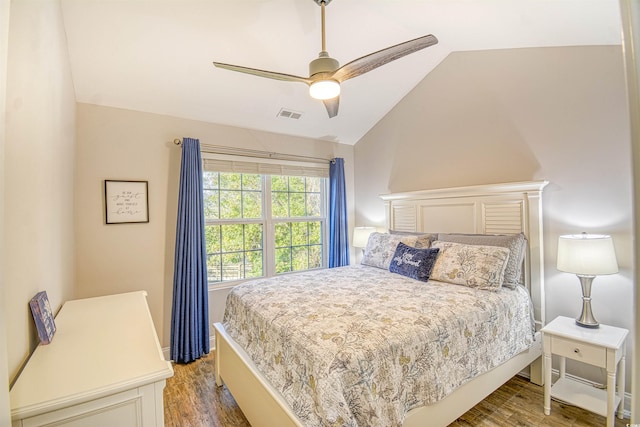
[583,352]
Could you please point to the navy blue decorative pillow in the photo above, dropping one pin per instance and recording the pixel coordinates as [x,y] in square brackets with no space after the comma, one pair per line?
[413,262]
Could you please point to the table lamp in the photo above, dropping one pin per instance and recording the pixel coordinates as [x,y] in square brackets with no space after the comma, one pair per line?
[361,236]
[586,255]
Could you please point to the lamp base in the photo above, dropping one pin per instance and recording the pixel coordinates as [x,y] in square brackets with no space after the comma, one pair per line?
[587,325]
[586,319]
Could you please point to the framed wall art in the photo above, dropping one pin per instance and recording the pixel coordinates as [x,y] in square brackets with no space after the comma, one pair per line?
[43,317]
[126,201]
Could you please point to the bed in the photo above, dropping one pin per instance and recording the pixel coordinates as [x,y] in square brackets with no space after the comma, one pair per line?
[361,345]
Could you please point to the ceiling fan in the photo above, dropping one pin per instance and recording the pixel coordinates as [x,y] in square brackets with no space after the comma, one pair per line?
[325,73]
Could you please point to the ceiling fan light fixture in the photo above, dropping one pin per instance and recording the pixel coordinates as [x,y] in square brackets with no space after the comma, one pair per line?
[324,89]
[326,74]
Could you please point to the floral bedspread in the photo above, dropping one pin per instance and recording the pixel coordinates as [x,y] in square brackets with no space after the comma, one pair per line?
[360,346]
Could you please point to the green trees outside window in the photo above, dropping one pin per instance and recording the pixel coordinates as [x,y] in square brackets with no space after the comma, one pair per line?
[261,225]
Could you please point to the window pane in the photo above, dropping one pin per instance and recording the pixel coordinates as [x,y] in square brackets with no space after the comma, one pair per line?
[300,258]
[252,204]
[212,237]
[230,181]
[315,256]
[279,205]
[299,246]
[214,268]
[296,183]
[210,180]
[253,264]
[279,183]
[234,251]
[283,235]
[299,234]
[233,266]
[211,208]
[297,204]
[315,232]
[253,236]
[313,184]
[232,238]
[283,260]
[313,204]
[251,182]
[230,205]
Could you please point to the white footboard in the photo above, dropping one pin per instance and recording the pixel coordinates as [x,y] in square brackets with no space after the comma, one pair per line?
[263,405]
[465,397]
[260,402]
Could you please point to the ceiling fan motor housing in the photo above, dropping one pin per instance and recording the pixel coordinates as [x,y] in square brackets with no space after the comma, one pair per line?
[323,64]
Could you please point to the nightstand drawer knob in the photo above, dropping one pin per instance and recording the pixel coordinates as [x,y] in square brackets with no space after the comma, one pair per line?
[576,350]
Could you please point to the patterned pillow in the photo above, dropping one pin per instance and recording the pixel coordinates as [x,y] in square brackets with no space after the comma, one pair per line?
[516,243]
[413,262]
[424,239]
[475,266]
[381,247]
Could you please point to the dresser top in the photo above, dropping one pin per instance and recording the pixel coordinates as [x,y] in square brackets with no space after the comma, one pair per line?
[102,346]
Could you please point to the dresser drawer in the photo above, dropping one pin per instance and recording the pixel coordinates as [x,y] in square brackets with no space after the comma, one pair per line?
[583,352]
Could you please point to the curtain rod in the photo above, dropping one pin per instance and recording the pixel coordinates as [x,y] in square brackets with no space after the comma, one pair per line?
[219,149]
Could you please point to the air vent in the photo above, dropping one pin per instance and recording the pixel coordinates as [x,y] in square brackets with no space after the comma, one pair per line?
[289,114]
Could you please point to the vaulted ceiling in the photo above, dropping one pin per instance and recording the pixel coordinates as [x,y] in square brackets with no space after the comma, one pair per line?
[156,55]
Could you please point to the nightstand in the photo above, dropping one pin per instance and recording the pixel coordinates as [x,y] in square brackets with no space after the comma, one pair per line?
[603,347]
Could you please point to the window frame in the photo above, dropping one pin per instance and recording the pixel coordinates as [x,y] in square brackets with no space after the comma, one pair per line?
[269,223]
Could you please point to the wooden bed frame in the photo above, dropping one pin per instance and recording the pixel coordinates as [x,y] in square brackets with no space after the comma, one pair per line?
[485,209]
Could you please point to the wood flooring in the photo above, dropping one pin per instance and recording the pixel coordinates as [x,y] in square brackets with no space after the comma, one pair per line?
[191,399]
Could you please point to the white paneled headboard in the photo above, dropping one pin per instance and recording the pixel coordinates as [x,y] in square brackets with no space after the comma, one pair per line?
[482,209]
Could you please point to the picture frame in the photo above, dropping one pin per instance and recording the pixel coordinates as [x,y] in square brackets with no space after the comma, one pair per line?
[126,202]
[43,317]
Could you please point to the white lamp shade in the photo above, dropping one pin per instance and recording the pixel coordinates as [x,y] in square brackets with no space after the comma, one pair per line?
[361,236]
[324,89]
[587,254]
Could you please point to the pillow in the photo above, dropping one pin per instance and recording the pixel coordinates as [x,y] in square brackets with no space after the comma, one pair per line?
[476,266]
[424,239]
[381,247]
[413,262]
[516,243]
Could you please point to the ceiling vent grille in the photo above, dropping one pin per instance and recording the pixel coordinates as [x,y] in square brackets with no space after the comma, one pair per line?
[289,114]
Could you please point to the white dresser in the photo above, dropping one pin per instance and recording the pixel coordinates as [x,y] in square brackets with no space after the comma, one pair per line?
[104,368]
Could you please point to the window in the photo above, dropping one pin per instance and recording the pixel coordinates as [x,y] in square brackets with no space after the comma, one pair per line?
[262,224]
[295,202]
[233,225]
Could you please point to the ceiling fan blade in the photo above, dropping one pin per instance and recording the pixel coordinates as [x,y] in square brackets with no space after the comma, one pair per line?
[263,73]
[332,106]
[374,60]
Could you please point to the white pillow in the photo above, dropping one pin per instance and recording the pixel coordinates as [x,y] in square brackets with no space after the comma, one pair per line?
[516,243]
[381,247]
[476,266]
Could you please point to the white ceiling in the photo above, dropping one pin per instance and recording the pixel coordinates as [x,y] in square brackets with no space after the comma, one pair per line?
[156,55]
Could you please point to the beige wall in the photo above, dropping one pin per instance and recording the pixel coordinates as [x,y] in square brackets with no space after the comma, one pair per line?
[122,144]
[38,171]
[5,419]
[558,114]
